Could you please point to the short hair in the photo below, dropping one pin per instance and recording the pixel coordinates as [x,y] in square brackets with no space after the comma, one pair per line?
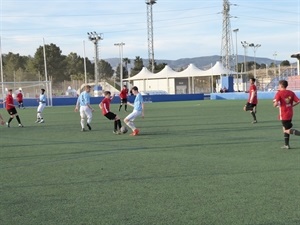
[43,90]
[107,93]
[253,79]
[87,87]
[134,88]
[9,89]
[283,83]
[124,86]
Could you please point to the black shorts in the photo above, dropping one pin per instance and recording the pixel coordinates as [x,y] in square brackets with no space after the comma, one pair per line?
[110,115]
[249,106]
[124,100]
[287,124]
[12,111]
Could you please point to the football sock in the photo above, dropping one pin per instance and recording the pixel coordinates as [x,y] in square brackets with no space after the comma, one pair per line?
[119,123]
[131,125]
[295,132]
[89,120]
[286,139]
[253,115]
[120,107]
[82,123]
[10,119]
[115,125]
[125,107]
[18,118]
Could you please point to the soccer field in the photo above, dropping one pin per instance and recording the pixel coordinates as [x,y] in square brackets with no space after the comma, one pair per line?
[194,163]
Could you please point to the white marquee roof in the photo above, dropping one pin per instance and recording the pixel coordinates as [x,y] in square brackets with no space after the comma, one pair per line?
[190,71]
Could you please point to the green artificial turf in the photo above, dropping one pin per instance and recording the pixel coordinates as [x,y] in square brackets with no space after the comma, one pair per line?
[194,162]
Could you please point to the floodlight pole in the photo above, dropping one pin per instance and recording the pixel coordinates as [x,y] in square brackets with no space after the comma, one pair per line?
[245,46]
[297,56]
[255,47]
[275,73]
[1,70]
[121,44]
[95,38]
[149,4]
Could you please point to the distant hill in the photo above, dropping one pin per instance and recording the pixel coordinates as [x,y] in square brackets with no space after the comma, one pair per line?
[201,62]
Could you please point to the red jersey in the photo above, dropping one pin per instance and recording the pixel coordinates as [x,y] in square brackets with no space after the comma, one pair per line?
[9,102]
[105,105]
[124,93]
[286,98]
[20,97]
[252,91]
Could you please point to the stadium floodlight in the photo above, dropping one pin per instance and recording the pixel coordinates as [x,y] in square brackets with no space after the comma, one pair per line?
[95,38]
[245,46]
[255,47]
[121,44]
[297,56]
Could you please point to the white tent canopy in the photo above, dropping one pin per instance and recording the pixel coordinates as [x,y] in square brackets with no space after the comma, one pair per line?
[190,71]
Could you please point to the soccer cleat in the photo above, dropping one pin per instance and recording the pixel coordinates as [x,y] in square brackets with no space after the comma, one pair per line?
[135,132]
[89,126]
[116,132]
[82,129]
[37,121]
[254,121]
[42,121]
[20,125]
[286,147]
[7,124]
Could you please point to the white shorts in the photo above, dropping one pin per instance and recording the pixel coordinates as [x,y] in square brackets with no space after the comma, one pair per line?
[41,107]
[85,111]
[133,115]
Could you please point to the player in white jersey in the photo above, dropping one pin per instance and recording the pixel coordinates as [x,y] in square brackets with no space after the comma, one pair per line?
[86,110]
[138,110]
[42,104]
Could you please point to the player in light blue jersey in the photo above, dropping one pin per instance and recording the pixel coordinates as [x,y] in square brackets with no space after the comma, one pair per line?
[138,110]
[86,110]
[42,104]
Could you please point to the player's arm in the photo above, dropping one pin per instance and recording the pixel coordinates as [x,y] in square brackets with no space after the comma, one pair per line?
[88,105]
[253,94]
[77,104]
[296,103]
[143,109]
[275,103]
[101,105]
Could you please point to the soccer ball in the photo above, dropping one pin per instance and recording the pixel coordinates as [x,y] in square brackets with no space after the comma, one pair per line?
[123,130]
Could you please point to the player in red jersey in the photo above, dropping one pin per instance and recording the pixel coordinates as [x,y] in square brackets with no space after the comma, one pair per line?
[286,100]
[11,109]
[20,99]
[105,107]
[252,100]
[123,97]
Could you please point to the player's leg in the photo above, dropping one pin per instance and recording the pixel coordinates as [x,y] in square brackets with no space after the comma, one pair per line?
[38,113]
[18,119]
[129,122]
[82,117]
[89,115]
[41,109]
[121,104]
[286,125]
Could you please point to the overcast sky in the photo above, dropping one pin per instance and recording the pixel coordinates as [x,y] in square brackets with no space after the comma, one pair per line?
[182,28]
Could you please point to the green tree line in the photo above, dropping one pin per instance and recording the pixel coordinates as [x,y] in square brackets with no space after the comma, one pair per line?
[17,68]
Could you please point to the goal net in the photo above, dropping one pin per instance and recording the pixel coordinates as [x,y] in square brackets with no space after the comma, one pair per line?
[30,89]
